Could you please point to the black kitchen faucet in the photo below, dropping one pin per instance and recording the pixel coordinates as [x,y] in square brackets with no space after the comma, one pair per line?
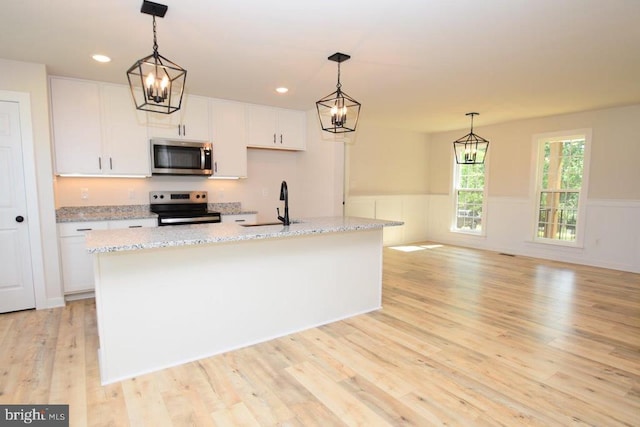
[284,195]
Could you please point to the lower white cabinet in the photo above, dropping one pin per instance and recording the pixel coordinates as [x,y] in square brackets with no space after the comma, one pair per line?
[132,223]
[241,218]
[77,264]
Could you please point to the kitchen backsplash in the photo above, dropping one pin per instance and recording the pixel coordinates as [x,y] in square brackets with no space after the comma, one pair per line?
[100,213]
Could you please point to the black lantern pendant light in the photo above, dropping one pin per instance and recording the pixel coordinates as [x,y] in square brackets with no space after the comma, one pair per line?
[471,149]
[338,112]
[157,84]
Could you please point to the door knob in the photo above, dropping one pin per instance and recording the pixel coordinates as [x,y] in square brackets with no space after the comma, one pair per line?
[19,218]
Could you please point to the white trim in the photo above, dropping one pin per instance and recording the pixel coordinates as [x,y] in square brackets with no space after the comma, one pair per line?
[31,187]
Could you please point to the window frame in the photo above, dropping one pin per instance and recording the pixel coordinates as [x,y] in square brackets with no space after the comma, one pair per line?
[538,142]
[454,202]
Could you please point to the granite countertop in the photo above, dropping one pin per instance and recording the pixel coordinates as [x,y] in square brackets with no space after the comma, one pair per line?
[124,212]
[101,241]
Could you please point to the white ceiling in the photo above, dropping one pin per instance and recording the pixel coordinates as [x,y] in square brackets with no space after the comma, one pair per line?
[417,64]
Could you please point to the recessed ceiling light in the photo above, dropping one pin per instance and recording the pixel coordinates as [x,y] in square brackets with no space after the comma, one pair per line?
[282,90]
[101,58]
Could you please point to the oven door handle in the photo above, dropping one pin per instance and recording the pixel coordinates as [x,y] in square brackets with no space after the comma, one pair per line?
[202,158]
[186,220]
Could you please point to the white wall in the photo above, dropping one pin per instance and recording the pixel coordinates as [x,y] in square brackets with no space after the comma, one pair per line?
[387,161]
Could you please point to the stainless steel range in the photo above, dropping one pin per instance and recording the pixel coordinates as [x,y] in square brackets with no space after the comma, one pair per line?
[182,207]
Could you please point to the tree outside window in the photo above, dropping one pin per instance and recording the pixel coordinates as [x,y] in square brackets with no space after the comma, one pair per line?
[560,182]
[470,195]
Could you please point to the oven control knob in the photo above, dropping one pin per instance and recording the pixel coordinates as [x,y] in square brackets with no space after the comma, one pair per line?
[162,196]
[155,196]
[197,196]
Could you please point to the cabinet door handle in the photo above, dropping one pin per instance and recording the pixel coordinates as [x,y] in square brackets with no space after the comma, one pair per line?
[240,220]
[84,229]
[215,167]
[179,131]
[280,138]
[184,130]
[135,226]
[110,163]
[99,162]
[274,138]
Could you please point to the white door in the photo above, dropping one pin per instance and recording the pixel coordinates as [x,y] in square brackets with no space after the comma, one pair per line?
[16,277]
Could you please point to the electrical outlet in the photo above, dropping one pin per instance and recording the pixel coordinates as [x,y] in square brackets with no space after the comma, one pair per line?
[84,193]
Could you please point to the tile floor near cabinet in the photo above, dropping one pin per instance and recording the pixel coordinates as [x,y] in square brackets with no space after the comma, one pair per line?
[465,337]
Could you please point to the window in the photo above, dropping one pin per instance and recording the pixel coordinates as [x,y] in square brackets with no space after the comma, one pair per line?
[469,182]
[560,185]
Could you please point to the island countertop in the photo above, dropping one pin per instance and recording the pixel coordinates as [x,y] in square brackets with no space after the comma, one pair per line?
[101,241]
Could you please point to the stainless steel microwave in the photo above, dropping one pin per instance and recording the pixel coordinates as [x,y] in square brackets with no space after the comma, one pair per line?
[176,157]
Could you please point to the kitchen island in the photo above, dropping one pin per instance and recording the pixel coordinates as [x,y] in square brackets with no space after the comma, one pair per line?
[171,295]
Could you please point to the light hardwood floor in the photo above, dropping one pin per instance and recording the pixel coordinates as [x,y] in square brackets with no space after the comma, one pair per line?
[465,337]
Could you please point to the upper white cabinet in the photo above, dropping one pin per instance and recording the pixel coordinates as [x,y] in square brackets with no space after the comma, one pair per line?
[190,122]
[77,126]
[229,138]
[276,128]
[125,133]
[97,130]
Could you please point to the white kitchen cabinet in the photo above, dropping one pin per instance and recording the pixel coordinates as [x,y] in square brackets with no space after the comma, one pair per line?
[97,130]
[276,128]
[190,122]
[132,223]
[125,133]
[77,126]
[240,218]
[229,138]
[77,264]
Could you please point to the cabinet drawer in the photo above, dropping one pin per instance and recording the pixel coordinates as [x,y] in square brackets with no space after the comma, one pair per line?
[240,219]
[69,229]
[133,223]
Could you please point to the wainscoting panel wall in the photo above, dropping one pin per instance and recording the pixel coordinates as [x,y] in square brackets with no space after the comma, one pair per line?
[611,240]
[412,209]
